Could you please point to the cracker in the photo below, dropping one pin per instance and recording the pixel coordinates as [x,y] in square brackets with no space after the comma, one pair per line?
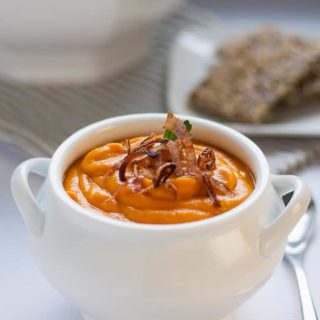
[257,74]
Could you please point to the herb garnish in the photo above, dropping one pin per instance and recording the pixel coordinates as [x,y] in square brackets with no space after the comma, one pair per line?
[172,136]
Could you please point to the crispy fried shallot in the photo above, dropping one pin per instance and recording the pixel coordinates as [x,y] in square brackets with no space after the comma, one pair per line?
[149,137]
[175,156]
[148,144]
[127,146]
[124,165]
[141,149]
[164,172]
[212,194]
[221,186]
[206,160]
[135,183]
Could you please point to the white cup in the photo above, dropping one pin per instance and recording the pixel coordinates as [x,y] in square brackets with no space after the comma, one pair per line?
[115,270]
[74,40]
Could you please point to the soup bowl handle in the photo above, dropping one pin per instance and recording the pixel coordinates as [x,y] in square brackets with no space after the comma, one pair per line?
[277,232]
[29,207]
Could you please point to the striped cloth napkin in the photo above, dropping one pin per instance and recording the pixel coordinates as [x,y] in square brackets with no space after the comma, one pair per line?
[38,118]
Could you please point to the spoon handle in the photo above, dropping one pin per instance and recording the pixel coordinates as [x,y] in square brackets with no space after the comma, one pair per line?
[307,305]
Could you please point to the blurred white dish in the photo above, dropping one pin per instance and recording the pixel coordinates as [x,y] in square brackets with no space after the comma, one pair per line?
[74,40]
[191,57]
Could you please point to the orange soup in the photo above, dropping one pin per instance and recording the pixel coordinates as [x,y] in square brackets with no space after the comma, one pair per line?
[159,179]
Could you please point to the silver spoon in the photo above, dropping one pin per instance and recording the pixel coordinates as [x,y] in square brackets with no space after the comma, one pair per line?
[297,244]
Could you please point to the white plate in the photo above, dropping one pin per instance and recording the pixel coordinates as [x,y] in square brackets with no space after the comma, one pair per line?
[191,57]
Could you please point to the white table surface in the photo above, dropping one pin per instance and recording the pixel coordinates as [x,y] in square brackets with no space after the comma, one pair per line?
[26,295]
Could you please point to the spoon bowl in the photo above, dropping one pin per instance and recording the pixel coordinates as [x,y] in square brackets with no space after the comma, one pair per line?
[298,242]
[301,235]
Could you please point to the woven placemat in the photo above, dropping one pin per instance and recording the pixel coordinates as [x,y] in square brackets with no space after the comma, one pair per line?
[38,118]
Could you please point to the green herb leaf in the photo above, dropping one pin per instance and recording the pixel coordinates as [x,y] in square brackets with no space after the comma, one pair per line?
[171,135]
[188,125]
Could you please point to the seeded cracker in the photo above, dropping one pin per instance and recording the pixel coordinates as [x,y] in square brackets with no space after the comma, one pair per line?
[257,74]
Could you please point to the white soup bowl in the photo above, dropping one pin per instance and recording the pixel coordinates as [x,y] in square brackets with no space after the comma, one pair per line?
[115,270]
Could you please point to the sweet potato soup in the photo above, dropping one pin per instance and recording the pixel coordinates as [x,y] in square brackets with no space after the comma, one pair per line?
[159,179]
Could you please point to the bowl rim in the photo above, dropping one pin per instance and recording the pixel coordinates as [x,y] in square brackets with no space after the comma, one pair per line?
[58,157]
